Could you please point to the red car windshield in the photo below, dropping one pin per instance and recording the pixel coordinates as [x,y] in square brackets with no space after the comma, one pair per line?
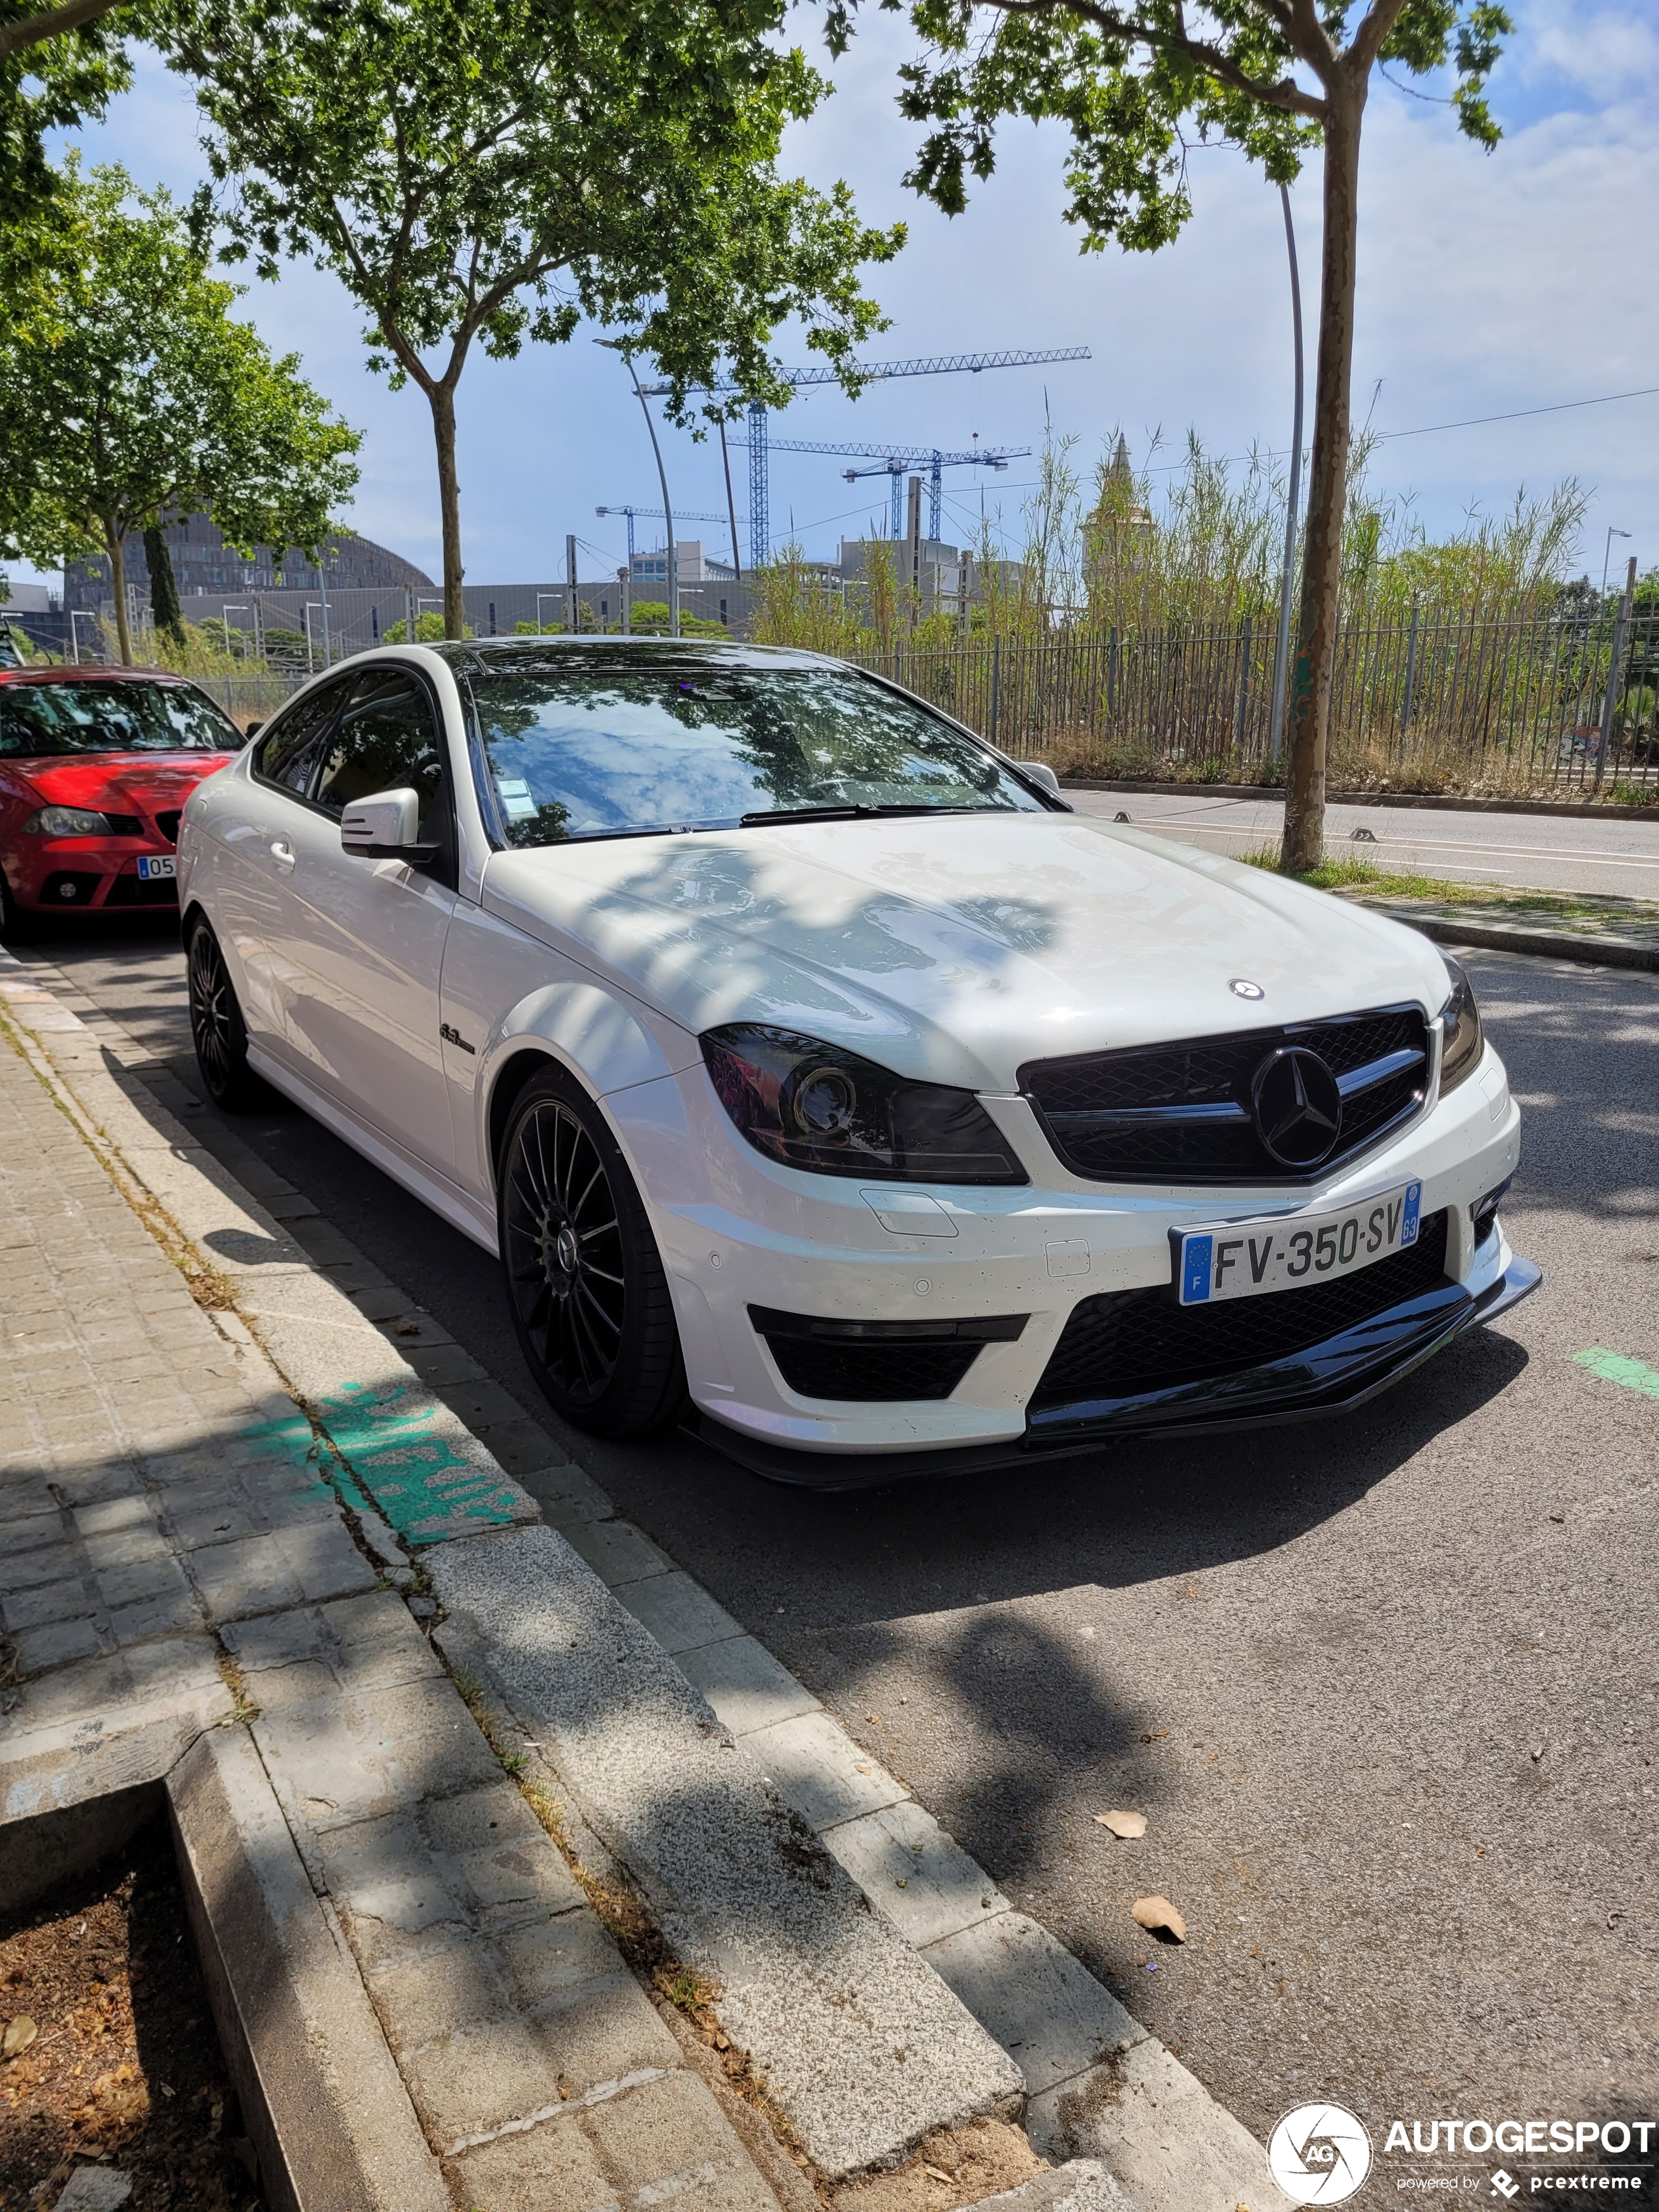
[112,718]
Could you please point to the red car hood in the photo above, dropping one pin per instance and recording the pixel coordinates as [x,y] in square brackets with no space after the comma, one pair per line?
[122,783]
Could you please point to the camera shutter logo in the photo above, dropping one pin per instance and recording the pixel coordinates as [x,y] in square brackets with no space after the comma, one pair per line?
[1319,2154]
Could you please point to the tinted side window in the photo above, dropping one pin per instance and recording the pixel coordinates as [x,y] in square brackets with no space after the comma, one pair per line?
[388,739]
[283,753]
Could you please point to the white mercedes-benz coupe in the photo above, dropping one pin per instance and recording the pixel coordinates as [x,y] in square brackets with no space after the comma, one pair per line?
[823,1081]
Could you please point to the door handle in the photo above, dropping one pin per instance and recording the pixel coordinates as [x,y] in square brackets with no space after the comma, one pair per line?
[283,854]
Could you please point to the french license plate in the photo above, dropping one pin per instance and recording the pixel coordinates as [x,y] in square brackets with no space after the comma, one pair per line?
[1246,1259]
[152,871]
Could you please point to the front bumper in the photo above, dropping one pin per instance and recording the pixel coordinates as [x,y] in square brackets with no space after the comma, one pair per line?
[71,875]
[1331,1377]
[740,1238]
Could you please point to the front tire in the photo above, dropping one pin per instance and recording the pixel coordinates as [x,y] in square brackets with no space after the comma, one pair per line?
[585,1282]
[218,1029]
[17,925]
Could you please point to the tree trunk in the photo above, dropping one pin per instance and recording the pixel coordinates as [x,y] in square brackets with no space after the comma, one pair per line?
[442,397]
[1308,711]
[118,571]
[165,609]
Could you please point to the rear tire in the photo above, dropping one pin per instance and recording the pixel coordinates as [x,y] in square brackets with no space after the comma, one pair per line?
[585,1282]
[217,1029]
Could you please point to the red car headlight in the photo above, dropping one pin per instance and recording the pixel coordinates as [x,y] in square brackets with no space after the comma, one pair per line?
[69,822]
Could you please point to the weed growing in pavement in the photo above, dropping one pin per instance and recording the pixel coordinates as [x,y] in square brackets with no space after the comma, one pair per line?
[242,1707]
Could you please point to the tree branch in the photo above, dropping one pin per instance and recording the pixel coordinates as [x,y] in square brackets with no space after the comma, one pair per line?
[1366,43]
[33,30]
[1286,94]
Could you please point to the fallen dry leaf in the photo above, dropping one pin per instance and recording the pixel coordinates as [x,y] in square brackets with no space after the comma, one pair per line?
[1156,1912]
[20,2033]
[1126,1824]
[936,2173]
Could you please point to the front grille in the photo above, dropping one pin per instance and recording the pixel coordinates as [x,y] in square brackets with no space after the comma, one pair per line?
[871,1371]
[1125,1341]
[134,891]
[168,823]
[1181,1112]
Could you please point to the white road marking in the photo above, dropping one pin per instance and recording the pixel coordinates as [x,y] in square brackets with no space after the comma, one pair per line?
[1436,845]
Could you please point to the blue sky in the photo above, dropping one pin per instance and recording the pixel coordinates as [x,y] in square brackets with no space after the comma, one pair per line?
[1488,283]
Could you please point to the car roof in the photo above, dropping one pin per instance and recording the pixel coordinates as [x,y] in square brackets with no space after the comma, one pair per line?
[91,671]
[497,654]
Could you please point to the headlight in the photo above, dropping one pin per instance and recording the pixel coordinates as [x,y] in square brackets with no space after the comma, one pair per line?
[68,822]
[1462,1043]
[811,1105]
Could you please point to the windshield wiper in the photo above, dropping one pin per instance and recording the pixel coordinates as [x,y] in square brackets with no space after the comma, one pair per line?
[842,813]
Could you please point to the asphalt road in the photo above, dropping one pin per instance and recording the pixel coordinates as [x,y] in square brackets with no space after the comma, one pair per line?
[1530,852]
[1385,1687]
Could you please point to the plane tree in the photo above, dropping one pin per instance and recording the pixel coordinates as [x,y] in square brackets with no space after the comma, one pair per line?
[133,394]
[487,176]
[1135,82]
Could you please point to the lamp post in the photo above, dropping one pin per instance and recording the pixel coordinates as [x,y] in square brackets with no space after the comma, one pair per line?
[1606,556]
[662,477]
[1282,645]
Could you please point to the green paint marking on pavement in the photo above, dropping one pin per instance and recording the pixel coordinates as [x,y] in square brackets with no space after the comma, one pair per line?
[1615,1367]
[415,1478]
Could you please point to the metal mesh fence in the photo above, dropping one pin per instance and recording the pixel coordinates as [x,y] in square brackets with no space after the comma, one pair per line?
[1509,699]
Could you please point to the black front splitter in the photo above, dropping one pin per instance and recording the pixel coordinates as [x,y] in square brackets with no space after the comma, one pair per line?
[1333,1378]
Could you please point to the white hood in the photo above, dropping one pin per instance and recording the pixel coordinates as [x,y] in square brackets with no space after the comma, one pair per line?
[959,947]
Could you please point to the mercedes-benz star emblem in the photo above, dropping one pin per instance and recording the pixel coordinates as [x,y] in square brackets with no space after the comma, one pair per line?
[1242,987]
[1298,1108]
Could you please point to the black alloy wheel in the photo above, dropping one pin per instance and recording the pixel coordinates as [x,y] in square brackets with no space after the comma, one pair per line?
[589,1299]
[217,1029]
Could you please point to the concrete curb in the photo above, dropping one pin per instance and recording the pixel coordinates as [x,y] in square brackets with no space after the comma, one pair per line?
[1098,2085]
[1433,802]
[862,2044]
[328,2114]
[1598,952]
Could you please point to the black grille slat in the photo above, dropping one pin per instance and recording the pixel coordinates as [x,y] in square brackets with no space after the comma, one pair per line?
[870,1372]
[1123,1342]
[1218,1071]
[168,823]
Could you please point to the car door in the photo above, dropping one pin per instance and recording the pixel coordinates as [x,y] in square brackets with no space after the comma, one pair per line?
[363,944]
[248,852]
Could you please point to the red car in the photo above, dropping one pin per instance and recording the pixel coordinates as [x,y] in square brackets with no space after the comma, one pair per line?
[95,766]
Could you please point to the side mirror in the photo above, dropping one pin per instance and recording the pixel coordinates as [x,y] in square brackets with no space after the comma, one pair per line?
[1040,772]
[383,828]
[251,731]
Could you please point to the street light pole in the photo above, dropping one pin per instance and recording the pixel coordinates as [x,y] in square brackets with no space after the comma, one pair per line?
[1282,644]
[662,479]
[1606,556]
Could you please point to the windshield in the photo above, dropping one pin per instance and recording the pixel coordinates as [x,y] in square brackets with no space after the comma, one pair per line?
[612,753]
[112,718]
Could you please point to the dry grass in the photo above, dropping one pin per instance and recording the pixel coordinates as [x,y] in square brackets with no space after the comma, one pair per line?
[954,2167]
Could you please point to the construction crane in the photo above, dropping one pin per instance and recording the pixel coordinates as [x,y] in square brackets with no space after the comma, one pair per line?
[895,459]
[942,364]
[657,515]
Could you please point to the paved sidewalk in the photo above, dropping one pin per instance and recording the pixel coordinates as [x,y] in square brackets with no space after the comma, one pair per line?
[172,1561]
